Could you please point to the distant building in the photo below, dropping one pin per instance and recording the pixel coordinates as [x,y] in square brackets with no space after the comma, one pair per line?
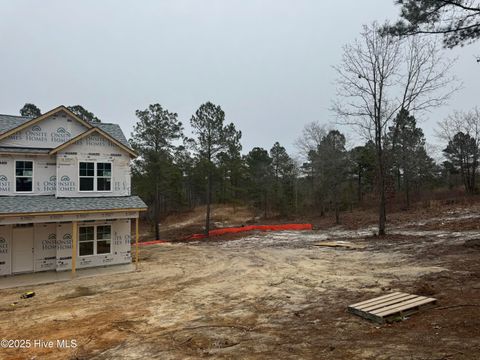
[64,193]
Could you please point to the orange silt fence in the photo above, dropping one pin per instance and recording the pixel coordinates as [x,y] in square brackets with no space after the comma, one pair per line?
[234,230]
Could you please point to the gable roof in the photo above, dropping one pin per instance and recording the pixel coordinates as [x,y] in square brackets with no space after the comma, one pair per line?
[32,121]
[89,132]
[10,124]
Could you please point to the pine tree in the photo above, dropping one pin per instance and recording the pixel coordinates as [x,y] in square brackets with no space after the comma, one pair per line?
[213,137]
[154,173]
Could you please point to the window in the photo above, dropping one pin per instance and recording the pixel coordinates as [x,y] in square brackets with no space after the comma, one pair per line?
[103,239]
[104,176]
[24,176]
[99,180]
[87,176]
[86,240]
[94,240]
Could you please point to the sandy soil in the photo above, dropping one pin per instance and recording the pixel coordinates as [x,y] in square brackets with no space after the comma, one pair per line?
[265,296]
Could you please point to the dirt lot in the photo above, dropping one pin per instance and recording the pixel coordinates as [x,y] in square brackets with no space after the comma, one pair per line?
[267,296]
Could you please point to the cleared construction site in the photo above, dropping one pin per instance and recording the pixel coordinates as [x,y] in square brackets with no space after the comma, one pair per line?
[268,295]
[240,180]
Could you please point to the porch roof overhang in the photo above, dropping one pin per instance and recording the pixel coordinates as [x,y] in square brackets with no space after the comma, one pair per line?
[14,206]
[11,150]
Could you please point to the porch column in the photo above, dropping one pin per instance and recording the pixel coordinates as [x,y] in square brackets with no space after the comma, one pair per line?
[136,240]
[74,246]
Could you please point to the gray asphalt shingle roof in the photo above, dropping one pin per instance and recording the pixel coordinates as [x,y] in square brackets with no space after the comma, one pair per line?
[115,131]
[46,204]
[9,122]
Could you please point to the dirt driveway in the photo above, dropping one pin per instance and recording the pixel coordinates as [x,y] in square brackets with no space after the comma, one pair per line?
[263,296]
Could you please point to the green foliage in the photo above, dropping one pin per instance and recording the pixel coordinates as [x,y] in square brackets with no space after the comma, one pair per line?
[231,169]
[30,110]
[260,175]
[156,130]
[363,166]
[407,154]
[83,113]
[156,176]
[462,153]
[212,135]
[211,168]
[458,21]
[213,138]
[284,175]
[330,162]
[186,165]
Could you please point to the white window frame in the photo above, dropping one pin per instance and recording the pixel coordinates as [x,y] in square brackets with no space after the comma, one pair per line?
[95,177]
[33,174]
[92,241]
[103,177]
[95,240]
[92,177]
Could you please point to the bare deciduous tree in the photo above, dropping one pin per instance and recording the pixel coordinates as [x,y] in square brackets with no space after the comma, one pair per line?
[425,78]
[461,132]
[381,74]
[312,135]
[467,122]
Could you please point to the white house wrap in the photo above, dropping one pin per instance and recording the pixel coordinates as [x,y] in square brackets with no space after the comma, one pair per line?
[64,194]
[97,149]
[51,132]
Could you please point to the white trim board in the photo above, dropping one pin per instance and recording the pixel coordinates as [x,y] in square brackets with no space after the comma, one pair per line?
[68,218]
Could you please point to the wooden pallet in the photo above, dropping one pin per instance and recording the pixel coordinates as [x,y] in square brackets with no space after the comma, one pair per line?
[392,307]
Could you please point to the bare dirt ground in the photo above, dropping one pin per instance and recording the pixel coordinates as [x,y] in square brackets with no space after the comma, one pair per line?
[268,296]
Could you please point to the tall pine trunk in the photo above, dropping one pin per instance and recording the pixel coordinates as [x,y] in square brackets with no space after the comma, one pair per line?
[157,211]
[359,186]
[209,201]
[265,204]
[407,189]
[337,210]
[382,213]
[337,213]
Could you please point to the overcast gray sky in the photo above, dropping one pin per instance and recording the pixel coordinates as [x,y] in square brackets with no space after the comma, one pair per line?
[266,62]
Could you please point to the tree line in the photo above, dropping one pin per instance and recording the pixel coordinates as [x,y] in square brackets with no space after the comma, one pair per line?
[31,110]
[387,77]
[175,173]
[386,80]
